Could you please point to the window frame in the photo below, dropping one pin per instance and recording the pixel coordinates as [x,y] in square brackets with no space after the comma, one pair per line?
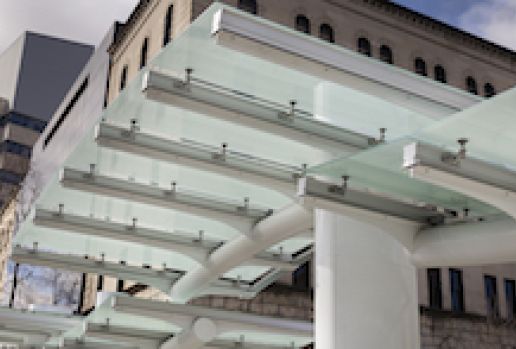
[327,29]
[169,22]
[420,66]
[389,59]
[471,85]
[440,74]
[308,28]
[144,53]
[250,6]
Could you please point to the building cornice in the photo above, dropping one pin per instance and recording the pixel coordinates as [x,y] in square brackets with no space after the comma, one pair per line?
[437,27]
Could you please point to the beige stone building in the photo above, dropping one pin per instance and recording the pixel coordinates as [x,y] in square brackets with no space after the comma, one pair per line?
[384,31]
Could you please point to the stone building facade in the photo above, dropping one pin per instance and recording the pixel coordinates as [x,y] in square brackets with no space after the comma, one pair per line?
[474,302]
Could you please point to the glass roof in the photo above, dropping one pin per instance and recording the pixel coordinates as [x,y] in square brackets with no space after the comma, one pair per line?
[378,168]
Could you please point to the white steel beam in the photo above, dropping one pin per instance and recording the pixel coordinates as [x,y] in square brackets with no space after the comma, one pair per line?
[281,225]
[487,182]
[185,152]
[251,111]
[240,216]
[197,248]
[161,279]
[141,339]
[83,343]
[225,321]
[254,36]
[473,243]
[328,195]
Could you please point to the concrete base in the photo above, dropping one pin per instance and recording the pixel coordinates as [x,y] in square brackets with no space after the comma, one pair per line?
[366,288]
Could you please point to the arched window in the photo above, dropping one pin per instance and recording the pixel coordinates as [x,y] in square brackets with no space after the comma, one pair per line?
[123,77]
[248,6]
[489,90]
[471,85]
[386,54]
[303,24]
[420,66]
[144,53]
[439,73]
[167,32]
[364,46]
[326,32]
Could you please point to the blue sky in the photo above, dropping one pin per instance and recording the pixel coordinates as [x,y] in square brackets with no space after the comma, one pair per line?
[448,11]
[494,20]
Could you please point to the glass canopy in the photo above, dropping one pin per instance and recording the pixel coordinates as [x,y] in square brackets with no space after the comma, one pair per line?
[130,186]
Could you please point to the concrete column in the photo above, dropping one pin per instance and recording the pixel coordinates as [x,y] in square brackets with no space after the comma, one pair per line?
[366,287]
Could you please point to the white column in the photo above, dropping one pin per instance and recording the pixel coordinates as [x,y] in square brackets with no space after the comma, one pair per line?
[366,287]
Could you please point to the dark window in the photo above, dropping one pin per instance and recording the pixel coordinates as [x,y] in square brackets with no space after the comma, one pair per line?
[420,66]
[67,111]
[440,73]
[248,6]
[144,53]
[435,298]
[326,32]
[510,297]
[167,32]
[123,78]
[364,46]
[457,291]
[16,148]
[301,277]
[386,54]
[489,90]
[120,286]
[100,282]
[303,24]
[471,85]
[491,295]
[24,121]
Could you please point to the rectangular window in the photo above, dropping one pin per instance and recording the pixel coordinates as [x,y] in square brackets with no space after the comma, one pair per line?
[435,298]
[510,295]
[301,277]
[457,291]
[67,111]
[120,286]
[100,283]
[491,295]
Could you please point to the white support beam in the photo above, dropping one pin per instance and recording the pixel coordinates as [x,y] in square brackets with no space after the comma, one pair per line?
[240,216]
[91,344]
[467,244]
[225,321]
[161,279]
[487,182]
[141,339]
[263,39]
[281,225]
[251,111]
[197,248]
[220,160]
[328,195]
[196,336]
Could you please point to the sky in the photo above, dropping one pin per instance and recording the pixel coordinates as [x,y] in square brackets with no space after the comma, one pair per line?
[88,20]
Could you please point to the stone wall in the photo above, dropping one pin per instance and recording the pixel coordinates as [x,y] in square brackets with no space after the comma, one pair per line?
[445,330]
[439,329]
[276,301]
